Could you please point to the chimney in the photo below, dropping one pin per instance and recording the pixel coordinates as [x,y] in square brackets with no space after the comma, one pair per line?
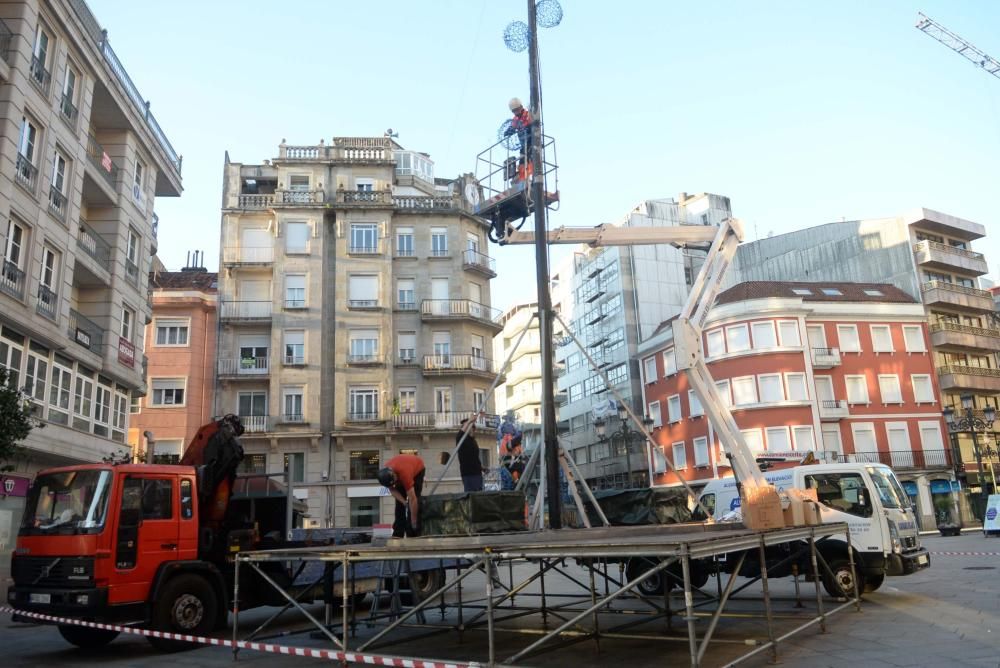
[195,261]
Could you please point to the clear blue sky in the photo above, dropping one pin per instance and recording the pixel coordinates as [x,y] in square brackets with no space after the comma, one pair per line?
[801,112]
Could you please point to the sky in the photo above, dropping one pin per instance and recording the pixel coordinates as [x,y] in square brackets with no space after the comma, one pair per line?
[802,113]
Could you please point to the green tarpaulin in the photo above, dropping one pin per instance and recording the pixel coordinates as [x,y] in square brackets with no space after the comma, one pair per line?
[471,513]
[647,505]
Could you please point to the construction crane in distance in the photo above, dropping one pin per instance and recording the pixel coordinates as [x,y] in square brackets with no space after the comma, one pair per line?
[963,48]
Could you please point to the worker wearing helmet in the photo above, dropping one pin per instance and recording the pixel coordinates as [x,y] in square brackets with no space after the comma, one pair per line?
[521,125]
[404,476]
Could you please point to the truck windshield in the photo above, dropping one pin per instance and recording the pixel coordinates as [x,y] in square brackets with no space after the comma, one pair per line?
[69,502]
[889,490]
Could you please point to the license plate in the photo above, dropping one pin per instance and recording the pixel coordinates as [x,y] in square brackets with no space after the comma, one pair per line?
[41,598]
[922,559]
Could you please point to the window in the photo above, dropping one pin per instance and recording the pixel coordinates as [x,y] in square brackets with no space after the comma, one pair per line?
[407,345]
[364,464]
[57,191]
[857,389]
[737,338]
[649,369]
[171,331]
[694,404]
[899,440]
[788,333]
[363,291]
[844,492]
[253,463]
[291,399]
[36,374]
[618,374]
[847,335]
[832,292]
[404,241]
[888,387]
[187,498]
[763,334]
[802,292]
[881,339]
[26,171]
[67,104]
[83,399]
[405,294]
[364,238]
[795,387]
[157,498]
[679,455]
[654,412]
[40,59]
[754,439]
[923,390]
[874,293]
[932,444]
[913,339]
[802,438]
[60,383]
[48,282]
[298,182]
[168,392]
[120,414]
[407,400]
[700,451]
[476,345]
[777,439]
[295,466]
[14,255]
[252,409]
[744,391]
[295,291]
[864,437]
[363,404]
[138,181]
[363,345]
[128,321]
[669,362]
[674,408]
[439,241]
[479,400]
[722,387]
[364,185]
[295,346]
[296,238]
[770,387]
[716,343]
[365,511]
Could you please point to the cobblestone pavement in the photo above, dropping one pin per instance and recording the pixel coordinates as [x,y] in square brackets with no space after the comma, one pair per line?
[948,615]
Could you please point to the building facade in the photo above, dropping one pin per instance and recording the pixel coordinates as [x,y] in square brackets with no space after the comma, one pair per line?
[83,161]
[928,255]
[617,297]
[843,370]
[355,318]
[180,348]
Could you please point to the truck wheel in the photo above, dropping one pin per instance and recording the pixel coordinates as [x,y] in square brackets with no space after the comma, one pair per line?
[425,583]
[187,604]
[841,585]
[873,582]
[651,586]
[86,638]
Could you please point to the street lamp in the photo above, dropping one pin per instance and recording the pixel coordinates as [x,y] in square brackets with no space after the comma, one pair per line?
[628,436]
[972,423]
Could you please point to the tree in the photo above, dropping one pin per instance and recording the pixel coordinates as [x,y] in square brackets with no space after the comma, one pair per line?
[16,418]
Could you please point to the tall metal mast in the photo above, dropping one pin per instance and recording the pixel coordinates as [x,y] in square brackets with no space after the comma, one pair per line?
[551,442]
[958,45]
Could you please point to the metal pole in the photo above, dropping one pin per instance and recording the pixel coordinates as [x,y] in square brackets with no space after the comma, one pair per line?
[815,572]
[767,601]
[489,610]
[551,445]
[979,463]
[236,608]
[689,609]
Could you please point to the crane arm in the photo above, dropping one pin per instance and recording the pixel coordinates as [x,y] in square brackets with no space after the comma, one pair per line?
[613,235]
[960,46]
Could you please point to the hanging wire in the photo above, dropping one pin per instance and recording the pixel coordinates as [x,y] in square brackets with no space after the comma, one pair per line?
[516,36]
[548,13]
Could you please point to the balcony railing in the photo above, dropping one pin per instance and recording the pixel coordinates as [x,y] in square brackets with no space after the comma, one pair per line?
[255,424]
[294,360]
[102,161]
[293,418]
[94,245]
[248,255]
[825,357]
[362,303]
[245,310]
[476,261]
[295,303]
[40,76]
[952,287]
[406,306]
[254,201]
[968,370]
[945,248]
[57,203]
[68,110]
[126,352]
[26,173]
[132,271]
[365,248]
[6,37]
[403,251]
[301,197]
[246,366]
[85,332]
[362,417]
[461,308]
[47,302]
[12,280]
[443,420]
[365,360]
[346,149]
[427,203]
[964,329]
[902,459]
[365,198]
[458,363]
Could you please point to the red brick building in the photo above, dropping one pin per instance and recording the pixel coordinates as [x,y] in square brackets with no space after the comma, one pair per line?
[840,369]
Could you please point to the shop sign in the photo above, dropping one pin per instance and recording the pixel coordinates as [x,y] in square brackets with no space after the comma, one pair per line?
[940,487]
[12,485]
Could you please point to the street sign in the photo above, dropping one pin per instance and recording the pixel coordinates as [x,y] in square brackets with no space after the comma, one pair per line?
[991,522]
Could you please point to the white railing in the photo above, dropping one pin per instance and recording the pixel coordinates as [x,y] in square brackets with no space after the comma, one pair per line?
[255,424]
[247,366]
[246,310]
[248,255]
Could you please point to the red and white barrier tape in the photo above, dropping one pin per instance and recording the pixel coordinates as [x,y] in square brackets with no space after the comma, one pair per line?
[967,554]
[329,654]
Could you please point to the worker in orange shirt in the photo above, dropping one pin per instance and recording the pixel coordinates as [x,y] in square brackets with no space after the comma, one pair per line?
[521,126]
[404,476]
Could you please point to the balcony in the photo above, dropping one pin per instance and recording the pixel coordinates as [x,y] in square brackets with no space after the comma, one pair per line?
[902,459]
[57,204]
[363,417]
[407,358]
[480,263]
[154,238]
[832,410]
[294,360]
[234,256]
[100,159]
[306,198]
[521,372]
[825,358]
[365,248]
[363,199]
[26,173]
[343,149]
[12,280]
[254,201]
[40,76]
[942,256]
[94,245]
[964,337]
[427,203]
[126,352]
[450,309]
[459,365]
[85,332]
[68,111]
[245,310]
[445,420]
[365,360]
[132,272]
[950,294]
[363,304]
[246,367]
[255,424]
[47,303]
[292,418]
[406,306]
[955,377]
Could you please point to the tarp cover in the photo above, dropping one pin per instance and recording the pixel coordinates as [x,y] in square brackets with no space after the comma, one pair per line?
[648,505]
[471,513]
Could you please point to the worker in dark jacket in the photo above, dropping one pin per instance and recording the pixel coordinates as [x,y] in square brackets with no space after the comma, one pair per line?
[470,466]
[404,476]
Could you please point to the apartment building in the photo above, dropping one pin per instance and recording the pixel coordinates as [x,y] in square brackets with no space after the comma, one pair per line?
[928,255]
[842,370]
[618,297]
[521,393]
[180,346]
[84,160]
[355,317]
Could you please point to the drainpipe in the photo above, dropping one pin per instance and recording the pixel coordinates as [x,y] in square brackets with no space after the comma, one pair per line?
[150,445]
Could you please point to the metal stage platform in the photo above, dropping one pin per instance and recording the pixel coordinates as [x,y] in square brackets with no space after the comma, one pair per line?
[525,589]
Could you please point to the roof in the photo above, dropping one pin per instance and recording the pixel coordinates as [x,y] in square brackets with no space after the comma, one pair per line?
[205,281]
[823,291]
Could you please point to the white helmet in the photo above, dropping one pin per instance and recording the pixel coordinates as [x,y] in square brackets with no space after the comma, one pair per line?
[515,104]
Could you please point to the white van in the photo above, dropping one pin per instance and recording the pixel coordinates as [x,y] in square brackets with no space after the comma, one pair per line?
[868,497]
